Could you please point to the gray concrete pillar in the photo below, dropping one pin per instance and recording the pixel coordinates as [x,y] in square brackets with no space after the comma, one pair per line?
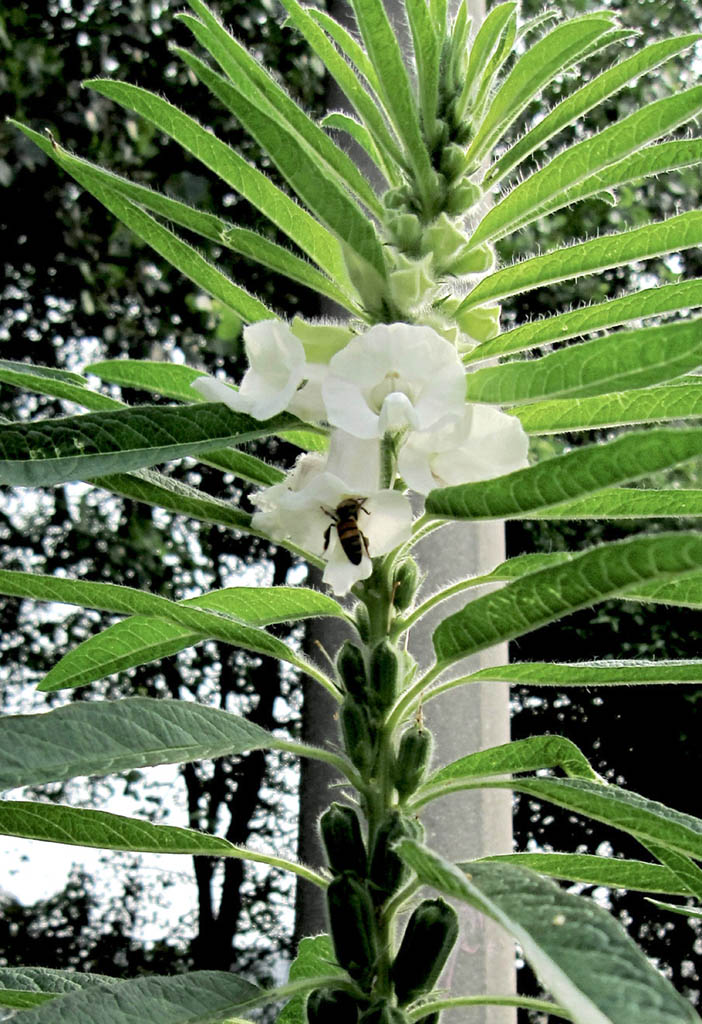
[469,718]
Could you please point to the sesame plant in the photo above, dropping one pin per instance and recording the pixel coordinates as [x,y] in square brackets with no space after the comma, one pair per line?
[403,392]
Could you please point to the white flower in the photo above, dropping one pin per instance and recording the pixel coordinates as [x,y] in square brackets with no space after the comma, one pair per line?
[279,377]
[393,377]
[276,370]
[305,510]
[485,443]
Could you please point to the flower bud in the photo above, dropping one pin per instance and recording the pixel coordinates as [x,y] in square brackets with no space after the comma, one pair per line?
[482,323]
[406,583]
[397,198]
[384,672]
[412,760]
[352,926]
[367,281]
[444,240]
[473,261]
[429,937]
[462,198]
[386,870]
[341,834]
[453,162]
[412,283]
[355,728]
[337,1005]
[464,133]
[405,231]
[363,622]
[352,670]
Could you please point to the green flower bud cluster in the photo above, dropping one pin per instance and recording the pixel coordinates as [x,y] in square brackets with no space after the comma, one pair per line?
[362,883]
[368,875]
[429,937]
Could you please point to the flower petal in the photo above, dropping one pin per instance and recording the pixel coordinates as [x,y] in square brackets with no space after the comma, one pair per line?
[355,461]
[341,574]
[388,523]
[276,367]
[347,408]
[214,390]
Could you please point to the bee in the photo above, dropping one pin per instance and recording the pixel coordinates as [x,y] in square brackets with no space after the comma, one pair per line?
[345,518]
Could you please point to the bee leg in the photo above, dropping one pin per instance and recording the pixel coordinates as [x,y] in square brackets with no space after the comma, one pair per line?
[327,537]
[365,543]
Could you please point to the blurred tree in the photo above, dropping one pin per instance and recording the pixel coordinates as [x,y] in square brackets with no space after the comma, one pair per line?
[80,287]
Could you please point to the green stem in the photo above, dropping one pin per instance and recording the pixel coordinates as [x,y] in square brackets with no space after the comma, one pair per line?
[430,602]
[316,673]
[243,853]
[525,1002]
[319,754]
[388,461]
[410,696]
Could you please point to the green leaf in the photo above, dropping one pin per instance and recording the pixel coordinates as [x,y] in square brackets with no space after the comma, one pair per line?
[348,44]
[650,162]
[253,82]
[648,405]
[315,958]
[618,362]
[635,875]
[200,997]
[549,594]
[76,826]
[260,191]
[195,623]
[608,673]
[172,380]
[395,89]
[573,475]
[494,65]
[543,189]
[682,867]
[318,189]
[160,491]
[677,592]
[427,53]
[167,244]
[528,755]
[52,451]
[240,240]
[35,379]
[588,96]
[24,987]
[100,738]
[581,955]
[646,820]
[19,999]
[627,503]
[485,45]
[389,156]
[196,998]
[633,307]
[672,235]
[359,133]
[558,49]
[695,912]
[141,638]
